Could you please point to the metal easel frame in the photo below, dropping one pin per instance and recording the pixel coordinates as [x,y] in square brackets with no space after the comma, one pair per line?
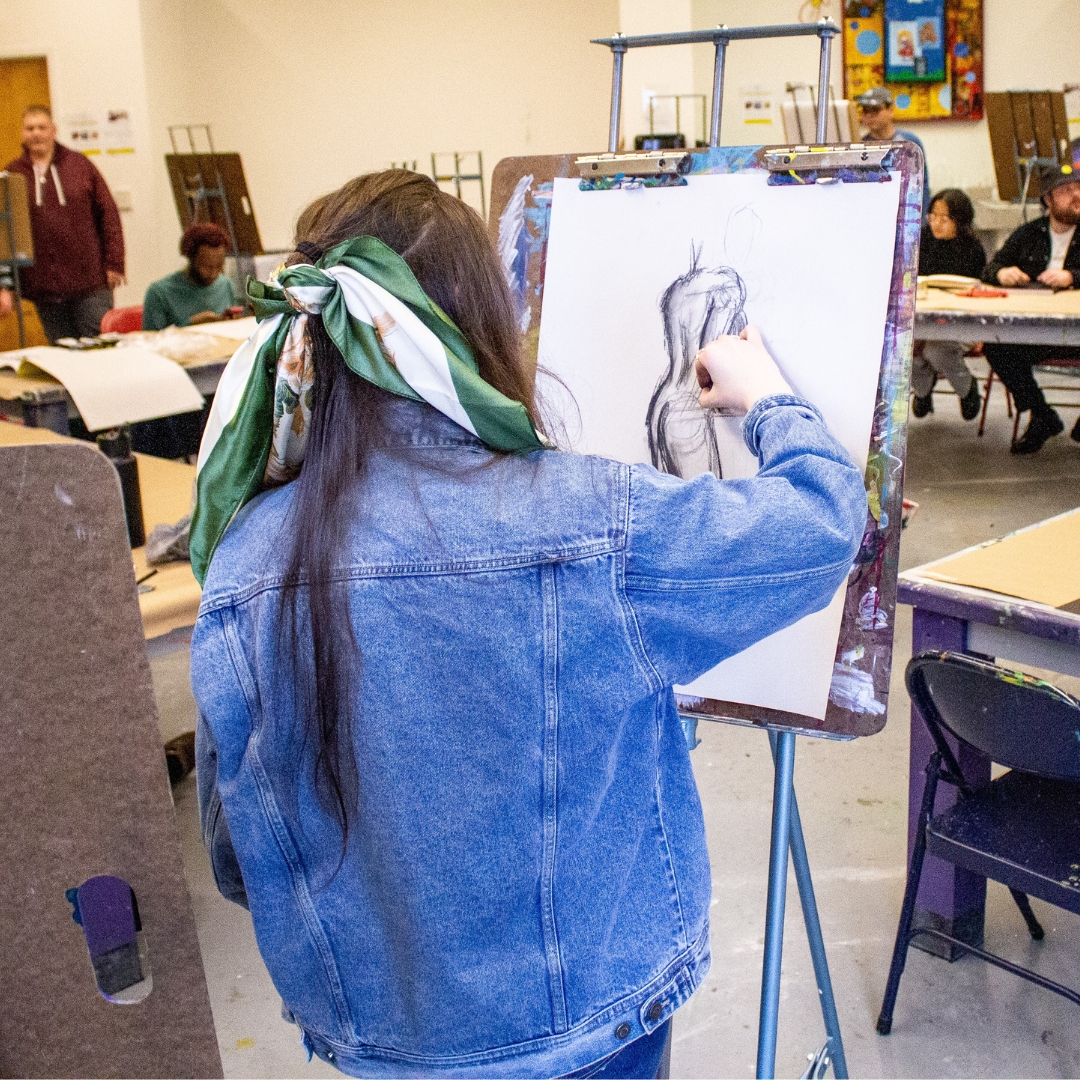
[677,98]
[202,195]
[13,263]
[793,88]
[787,835]
[457,175]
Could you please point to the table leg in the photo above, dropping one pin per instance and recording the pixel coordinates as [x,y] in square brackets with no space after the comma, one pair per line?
[47,414]
[950,899]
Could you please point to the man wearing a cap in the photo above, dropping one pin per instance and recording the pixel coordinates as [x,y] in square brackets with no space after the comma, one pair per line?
[1046,251]
[876,113]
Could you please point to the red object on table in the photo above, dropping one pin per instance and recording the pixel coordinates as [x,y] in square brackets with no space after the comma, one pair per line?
[122,320]
[983,292]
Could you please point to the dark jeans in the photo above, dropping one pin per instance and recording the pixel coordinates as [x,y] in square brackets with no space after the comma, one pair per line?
[74,318]
[639,1060]
[1013,363]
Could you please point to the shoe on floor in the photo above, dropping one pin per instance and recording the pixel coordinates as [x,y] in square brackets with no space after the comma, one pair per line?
[1075,433]
[180,756]
[971,402]
[1043,426]
[920,406]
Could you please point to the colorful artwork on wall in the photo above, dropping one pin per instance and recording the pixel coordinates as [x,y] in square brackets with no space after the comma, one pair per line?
[928,52]
[915,40]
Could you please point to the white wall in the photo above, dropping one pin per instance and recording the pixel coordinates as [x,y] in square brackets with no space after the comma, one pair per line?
[95,63]
[653,71]
[312,94]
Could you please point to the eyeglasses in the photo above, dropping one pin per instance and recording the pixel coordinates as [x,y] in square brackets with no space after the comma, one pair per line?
[936,216]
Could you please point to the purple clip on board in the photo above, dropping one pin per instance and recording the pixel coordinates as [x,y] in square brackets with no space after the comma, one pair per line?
[106,909]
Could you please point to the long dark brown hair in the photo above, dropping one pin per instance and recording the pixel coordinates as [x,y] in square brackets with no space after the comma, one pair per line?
[446,245]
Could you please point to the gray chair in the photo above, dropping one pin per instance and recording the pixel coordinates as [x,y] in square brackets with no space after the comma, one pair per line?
[1022,829]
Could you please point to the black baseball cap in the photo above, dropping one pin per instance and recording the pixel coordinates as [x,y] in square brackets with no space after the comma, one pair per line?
[1055,176]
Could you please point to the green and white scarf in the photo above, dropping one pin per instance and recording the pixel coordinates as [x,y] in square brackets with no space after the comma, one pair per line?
[389,332]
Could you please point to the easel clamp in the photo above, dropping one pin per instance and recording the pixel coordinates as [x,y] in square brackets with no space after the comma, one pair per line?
[816,158]
[647,163]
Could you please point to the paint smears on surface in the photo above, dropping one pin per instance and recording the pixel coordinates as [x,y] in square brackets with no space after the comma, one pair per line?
[871,616]
[245,1044]
[514,255]
[854,690]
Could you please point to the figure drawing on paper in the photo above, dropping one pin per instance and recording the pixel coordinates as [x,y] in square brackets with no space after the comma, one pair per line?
[698,307]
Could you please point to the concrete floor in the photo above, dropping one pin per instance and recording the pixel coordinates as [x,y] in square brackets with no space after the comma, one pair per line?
[961,1019]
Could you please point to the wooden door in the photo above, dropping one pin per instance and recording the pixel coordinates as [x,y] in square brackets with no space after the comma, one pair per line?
[24,80]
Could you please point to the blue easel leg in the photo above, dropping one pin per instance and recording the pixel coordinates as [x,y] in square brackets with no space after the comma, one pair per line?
[774,911]
[813,934]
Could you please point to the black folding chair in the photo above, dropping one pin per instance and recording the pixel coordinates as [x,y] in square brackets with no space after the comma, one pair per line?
[1022,829]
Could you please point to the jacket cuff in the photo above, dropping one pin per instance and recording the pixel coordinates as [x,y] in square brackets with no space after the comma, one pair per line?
[768,406]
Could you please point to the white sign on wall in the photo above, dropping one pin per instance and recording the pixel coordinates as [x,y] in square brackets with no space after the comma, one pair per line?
[116,136]
[82,131]
[96,131]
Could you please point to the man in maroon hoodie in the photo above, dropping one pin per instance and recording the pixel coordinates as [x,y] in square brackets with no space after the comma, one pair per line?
[78,241]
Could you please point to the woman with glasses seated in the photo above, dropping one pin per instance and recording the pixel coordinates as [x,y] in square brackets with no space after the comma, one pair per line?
[948,247]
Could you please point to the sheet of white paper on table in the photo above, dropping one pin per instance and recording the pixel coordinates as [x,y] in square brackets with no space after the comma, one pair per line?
[816,262]
[240,329]
[114,386]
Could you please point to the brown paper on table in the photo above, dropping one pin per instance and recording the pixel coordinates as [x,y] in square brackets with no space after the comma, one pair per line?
[1018,302]
[112,386]
[166,488]
[1040,564]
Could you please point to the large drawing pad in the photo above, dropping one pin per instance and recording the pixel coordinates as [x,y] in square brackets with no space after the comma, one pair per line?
[83,785]
[858,697]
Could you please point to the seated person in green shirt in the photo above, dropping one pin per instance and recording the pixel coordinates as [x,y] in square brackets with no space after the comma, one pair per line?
[199,294]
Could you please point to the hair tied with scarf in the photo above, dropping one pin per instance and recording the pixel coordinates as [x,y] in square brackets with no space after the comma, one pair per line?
[388,331]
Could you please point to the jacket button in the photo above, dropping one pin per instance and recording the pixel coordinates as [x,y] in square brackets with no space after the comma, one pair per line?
[655,1009]
[622,1031]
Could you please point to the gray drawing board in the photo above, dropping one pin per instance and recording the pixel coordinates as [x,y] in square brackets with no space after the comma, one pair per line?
[84,792]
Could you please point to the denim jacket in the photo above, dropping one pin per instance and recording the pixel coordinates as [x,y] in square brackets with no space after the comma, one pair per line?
[526,885]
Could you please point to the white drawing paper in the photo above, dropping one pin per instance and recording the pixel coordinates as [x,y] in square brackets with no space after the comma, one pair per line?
[811,266]
[113,386]
[239,329]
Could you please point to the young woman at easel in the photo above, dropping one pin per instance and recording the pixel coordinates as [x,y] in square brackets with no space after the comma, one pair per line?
[439,756]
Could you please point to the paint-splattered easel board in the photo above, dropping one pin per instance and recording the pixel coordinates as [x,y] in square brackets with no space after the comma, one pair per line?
[519,224]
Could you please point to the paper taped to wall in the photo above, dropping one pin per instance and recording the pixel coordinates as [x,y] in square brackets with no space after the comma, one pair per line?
[637,280]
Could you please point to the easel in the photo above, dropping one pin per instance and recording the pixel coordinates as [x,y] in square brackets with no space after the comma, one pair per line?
[678,99]
[199,194]
[787,832]
[16,243]
[798,109]
[523,192]
[210,186]
[1029,130]
[457,176]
